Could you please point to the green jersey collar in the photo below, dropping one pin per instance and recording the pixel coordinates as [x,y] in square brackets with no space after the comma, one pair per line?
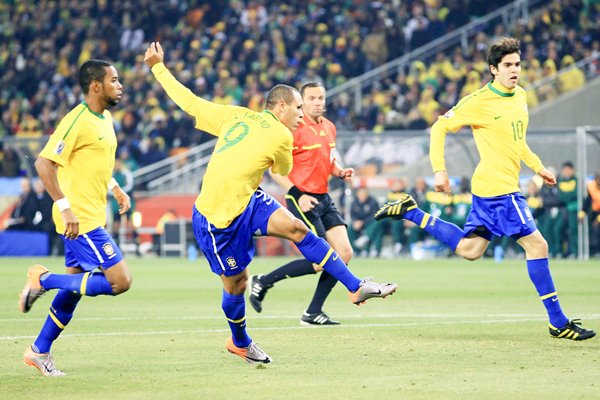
[271,114]
[498,89]
[95,113]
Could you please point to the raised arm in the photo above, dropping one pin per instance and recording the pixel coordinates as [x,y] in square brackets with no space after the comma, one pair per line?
[181,95]
[209,116]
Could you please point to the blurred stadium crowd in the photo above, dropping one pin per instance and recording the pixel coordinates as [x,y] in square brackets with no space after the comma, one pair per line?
[233,51]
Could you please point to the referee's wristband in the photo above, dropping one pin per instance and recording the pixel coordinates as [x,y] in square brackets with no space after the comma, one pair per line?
[295,192]
[62,204]
[112,183]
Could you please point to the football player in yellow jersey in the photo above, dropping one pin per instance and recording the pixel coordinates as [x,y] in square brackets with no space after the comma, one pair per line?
[498,115]
[231,208]
[76,167]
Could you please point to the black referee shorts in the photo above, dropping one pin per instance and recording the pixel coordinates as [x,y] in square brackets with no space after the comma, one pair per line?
[321,218]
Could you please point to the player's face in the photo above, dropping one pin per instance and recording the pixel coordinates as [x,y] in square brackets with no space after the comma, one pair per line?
[112,88]
[314,101]
[508,71]
[292,113]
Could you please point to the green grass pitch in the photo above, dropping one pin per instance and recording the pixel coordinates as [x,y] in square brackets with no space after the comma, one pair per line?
[453,330]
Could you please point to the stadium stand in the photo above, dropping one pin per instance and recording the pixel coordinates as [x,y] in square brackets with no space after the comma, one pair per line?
[233,52]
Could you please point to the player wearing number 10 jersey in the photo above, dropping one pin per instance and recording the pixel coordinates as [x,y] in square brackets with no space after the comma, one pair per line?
[498,115]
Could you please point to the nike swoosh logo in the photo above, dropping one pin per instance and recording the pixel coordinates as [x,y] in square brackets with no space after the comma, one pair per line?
[335,257]
[499,116]
[555,299]
[100,137]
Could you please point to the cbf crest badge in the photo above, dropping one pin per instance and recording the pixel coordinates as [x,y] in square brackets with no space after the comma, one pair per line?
[60,147]
[231,262]
[108,250]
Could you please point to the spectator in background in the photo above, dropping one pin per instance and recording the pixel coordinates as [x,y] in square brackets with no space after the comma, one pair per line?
[21,219]
[572,79]
[397,228]
[591,209]
[461,203]
[534,199]
[548,90]
[419,191]
[364,232]
[124,178]
[43,218]
[550,215]
[10,165]
[567,194]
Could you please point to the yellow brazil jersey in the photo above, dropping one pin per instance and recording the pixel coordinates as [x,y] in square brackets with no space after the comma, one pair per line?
[248,144]
[499,121]
[83,145]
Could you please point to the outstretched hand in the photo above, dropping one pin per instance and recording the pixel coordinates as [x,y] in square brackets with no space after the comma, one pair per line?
[548,177]
[154,54]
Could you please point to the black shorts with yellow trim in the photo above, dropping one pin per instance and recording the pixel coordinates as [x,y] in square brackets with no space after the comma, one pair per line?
[321,218]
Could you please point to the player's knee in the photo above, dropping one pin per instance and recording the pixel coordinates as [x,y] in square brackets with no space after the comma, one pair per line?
[122,285]
[472,254]
[241,286]
[543,246]
[299,230]
[537,249]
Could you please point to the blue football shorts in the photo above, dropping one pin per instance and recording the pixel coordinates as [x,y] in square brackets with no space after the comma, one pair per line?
[506,215]
[230,250]
[92,250]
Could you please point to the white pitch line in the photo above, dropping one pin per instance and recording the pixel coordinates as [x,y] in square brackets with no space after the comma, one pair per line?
[286,328]
[268,317]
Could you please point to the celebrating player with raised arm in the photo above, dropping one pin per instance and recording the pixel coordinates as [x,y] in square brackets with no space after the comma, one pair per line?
[231,209]
[498,116]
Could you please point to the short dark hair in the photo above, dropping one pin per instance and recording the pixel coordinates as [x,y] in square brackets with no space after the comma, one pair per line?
[280,92]
[568,164]
[309,85]
[501,48]
[92,70]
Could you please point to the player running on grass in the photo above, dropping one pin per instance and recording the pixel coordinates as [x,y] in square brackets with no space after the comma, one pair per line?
[76,166]
[231,209]
[498,116]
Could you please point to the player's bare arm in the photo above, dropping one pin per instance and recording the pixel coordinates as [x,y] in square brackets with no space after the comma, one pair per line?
[48,173]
